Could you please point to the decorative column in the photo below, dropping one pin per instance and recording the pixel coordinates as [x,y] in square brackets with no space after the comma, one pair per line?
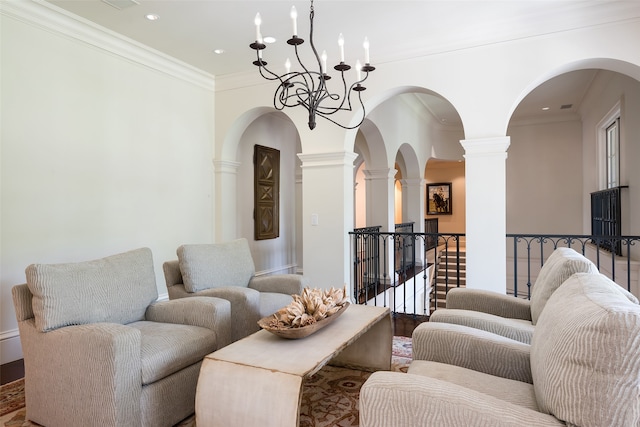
[327,217]
[413,210]
[380,211]
[486,222]
[224,200]
[380,198]
[298,216]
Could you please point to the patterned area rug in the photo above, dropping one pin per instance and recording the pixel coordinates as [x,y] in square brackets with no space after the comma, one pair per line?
[11,397]
[329,397]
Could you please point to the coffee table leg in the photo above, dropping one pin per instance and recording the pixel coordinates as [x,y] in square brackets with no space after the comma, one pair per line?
[230,395]
[371,351]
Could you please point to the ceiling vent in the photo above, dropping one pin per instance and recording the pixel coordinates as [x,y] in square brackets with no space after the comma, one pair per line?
[121,4]
[566,106]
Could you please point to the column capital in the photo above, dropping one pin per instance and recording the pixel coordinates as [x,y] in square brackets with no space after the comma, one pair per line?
[339,158]
[413,182]
[227,166]
[486,147]
[379,173]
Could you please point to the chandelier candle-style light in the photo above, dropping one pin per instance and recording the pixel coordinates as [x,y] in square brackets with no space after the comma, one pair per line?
[308,88]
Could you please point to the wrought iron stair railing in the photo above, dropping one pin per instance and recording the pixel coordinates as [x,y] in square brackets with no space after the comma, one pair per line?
[376,283]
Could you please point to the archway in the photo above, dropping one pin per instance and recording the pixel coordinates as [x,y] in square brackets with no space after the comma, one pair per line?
[235,185]
[556,157]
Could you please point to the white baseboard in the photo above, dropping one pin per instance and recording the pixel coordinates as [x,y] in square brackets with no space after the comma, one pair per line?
[10,348]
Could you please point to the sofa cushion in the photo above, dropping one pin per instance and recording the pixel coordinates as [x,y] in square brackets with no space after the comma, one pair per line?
[115,289]
[561,264]
[584,354]
[512,391]
[166,348]
[205,266]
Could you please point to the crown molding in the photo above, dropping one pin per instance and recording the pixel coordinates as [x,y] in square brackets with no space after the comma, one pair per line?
[233,81]
[48,17]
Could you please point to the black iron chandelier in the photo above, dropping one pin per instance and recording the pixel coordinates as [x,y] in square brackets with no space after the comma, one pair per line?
[308,88]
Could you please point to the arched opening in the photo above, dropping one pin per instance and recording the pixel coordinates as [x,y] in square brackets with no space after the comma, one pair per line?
[275,130]
[557,159]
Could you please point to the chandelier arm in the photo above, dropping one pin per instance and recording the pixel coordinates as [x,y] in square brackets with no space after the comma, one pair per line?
[342,126]
[305,90]
[327,111]
[345,97]
[267,77]
[280,98]
[306,76]
[283,96]
[263,67]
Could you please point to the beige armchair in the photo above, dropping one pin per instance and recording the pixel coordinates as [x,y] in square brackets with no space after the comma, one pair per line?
[226,270]
[584,370]
[99,350]
[505,315]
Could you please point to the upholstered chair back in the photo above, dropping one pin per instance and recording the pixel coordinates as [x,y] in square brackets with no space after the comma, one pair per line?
[115,289]
[561,264]
[584,354]
[216,265]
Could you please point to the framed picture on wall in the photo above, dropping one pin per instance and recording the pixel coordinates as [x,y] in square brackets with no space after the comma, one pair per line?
[439,198]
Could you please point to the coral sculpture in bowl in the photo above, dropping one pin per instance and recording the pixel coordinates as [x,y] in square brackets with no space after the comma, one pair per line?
[307,313]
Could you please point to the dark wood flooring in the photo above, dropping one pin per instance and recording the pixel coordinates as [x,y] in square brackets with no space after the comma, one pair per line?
[403,326]
[11,371]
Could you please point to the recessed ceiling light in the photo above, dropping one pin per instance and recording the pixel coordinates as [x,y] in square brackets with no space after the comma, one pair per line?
[152,17]
[218,51]
[269,39]
[545,108]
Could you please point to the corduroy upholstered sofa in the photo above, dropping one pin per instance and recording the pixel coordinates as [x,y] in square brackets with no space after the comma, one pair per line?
[505,315]
[99,350]
[584,367]
[226,270]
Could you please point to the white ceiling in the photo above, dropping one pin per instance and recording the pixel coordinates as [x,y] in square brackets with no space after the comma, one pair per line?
[190,30]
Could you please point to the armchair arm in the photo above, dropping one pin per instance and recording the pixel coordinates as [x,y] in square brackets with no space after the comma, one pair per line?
[22,302]
[515,329]
[172,274]
[207,312]
[472,349]
[489,302]
[394,399]
[93,361]
[245,307]
[289,284]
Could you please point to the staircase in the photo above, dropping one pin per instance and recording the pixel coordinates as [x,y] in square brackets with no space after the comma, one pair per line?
[446,272]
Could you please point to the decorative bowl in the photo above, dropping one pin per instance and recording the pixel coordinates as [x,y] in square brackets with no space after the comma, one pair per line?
[301,332]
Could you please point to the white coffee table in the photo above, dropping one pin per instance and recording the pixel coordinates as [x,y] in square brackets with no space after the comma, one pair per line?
[257,381]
